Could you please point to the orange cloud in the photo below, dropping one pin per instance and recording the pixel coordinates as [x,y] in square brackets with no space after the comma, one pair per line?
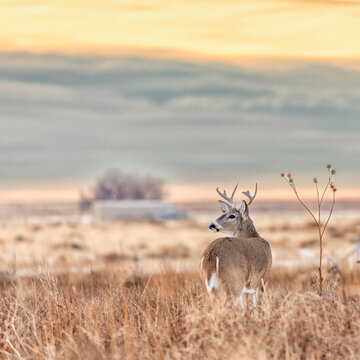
[321,28]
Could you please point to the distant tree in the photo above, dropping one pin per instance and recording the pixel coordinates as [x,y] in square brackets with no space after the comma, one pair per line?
[116,185]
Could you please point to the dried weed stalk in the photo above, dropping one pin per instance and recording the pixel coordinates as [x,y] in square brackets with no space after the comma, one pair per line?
[321,226]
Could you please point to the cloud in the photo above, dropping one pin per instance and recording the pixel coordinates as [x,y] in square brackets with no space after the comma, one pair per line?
[67,119]
[341,3]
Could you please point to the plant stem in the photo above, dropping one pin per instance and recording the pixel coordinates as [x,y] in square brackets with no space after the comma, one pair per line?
[330,213]
[302,203]
[317,221]
[320,262]
[320,234]
[327,185]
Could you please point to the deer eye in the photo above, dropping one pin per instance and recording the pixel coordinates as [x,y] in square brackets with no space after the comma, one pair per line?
[232,217]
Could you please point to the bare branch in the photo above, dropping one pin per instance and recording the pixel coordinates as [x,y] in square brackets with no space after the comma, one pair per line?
[330,213]
[321,231]
[318,203]
[292,184]
[327,185]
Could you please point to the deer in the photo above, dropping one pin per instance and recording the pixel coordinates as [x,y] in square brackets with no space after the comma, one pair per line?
[238,264]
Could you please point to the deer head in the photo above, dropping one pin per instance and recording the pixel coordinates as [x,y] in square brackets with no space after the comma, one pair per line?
[234,215]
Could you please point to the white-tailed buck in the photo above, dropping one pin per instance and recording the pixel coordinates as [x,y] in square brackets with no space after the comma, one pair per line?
[240,263]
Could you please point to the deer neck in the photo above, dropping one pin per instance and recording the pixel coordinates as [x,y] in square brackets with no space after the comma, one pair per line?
[247,230]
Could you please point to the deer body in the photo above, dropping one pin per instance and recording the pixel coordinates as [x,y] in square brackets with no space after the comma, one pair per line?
[239,264]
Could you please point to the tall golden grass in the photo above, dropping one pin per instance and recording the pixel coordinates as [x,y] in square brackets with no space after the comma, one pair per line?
[168,315]
[138,307]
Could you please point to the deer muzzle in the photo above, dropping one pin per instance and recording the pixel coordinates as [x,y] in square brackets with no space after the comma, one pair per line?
[214,227]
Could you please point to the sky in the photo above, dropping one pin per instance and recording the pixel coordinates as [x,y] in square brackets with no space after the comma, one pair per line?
[194,92]
[227,28]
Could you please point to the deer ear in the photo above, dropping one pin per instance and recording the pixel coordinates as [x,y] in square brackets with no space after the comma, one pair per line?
[244,210]
[224,206]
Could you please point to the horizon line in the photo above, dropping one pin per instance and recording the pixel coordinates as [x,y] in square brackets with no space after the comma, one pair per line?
[165,53]
[176,193]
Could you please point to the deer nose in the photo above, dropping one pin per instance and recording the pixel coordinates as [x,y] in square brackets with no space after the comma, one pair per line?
[212,227]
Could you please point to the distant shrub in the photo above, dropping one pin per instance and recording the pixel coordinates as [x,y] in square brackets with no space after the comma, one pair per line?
[116,185]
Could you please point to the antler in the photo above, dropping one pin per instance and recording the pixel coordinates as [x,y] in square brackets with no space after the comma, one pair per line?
[224,196]
[247,193]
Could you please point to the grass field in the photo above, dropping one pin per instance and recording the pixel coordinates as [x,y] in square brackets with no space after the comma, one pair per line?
[168,315]
[133,291]
[63,245]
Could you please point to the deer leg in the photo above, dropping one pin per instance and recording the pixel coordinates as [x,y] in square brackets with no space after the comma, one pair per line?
[243,300]
[243,296]
[255,296]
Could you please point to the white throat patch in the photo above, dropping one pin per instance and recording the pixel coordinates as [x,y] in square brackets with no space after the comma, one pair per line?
[230,233]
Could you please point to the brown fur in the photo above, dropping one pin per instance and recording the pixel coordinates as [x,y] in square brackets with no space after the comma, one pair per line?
[244,260]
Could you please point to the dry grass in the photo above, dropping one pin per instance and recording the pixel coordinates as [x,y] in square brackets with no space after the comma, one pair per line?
[168,315]
[62,245]
[136,306]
